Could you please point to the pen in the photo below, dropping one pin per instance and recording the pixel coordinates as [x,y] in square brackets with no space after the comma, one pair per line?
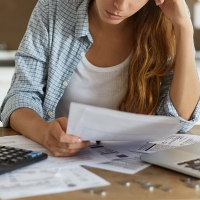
[98,142]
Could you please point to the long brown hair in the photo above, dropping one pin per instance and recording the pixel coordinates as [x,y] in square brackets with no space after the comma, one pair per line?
[153,57]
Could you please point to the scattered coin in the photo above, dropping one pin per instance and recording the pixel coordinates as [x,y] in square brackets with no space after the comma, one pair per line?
[101,192]
[194,185]
[90,190]
[166,189]
[149,187]
[139,181]
[146,184]
[126,183]
[186,179]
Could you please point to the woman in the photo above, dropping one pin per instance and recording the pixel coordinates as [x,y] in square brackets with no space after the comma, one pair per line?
[132,55]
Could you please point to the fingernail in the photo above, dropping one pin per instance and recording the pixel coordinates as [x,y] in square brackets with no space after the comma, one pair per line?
[78,140]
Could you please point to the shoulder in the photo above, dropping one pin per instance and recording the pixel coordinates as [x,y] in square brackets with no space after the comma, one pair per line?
[63,8]
[59,4]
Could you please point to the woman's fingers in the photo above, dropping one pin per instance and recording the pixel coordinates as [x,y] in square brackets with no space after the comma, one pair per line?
[71,146]
[63,149]
[66,138]
[60,135]
[59,143]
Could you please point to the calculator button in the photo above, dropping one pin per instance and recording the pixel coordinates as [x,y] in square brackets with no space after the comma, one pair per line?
[8,156]
[32,154]
[26,157]
[20,153]
[15,154]
[5,152]
[3,149]
[13,160]
[38,153]
[3,158]
[20,158]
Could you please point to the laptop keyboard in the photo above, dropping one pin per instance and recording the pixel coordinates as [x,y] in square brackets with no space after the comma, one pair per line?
[12,158]
[194,164]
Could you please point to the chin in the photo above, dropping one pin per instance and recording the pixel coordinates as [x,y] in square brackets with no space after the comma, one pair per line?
[110,21]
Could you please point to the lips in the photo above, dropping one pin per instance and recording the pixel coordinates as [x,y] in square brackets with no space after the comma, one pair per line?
[113,16]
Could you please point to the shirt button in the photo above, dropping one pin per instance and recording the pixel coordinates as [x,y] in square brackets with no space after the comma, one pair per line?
[83,54]
[50,113]
[65,83]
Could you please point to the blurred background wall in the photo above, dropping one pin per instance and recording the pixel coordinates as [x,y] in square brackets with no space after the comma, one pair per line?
[196,32]
[14,16]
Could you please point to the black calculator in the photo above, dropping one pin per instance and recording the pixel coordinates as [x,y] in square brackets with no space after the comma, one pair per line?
[12,158]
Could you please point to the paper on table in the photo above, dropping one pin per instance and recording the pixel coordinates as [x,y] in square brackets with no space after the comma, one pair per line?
[94,123]
[28,182]
[172,141]
[125,165]
[83,157]
[49,176]
[121,159]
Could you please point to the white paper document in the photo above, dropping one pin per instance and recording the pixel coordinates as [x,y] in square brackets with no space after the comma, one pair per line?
[125,156]
[83,157]
[94,123]
[28,182]
[124,165]
[121,159]
[64,174]
[55,174]
[172,141]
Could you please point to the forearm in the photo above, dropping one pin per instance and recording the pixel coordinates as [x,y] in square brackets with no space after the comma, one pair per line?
[185,88]
[28,123]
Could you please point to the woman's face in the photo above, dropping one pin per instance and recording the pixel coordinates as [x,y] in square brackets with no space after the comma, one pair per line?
[116,11]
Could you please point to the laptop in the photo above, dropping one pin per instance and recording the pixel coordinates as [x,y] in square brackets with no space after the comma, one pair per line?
[184,159]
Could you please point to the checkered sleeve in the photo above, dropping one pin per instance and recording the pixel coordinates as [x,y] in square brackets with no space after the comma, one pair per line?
[167,108]
[29,80]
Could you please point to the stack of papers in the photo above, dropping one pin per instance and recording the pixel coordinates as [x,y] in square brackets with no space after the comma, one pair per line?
[53,175]
[113,129]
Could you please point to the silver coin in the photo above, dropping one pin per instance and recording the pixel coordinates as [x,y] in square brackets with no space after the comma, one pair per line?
[126,183]
[101,192]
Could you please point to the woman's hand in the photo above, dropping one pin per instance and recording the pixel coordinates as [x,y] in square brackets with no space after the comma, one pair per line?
[58,142]
[176,11]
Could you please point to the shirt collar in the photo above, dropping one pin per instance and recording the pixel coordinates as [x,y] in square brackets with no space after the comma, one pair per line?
[82,23]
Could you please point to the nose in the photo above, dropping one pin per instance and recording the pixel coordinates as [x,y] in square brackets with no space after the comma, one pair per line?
[121,4]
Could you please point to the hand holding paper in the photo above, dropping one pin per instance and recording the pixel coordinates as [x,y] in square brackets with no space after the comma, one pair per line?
[94,123]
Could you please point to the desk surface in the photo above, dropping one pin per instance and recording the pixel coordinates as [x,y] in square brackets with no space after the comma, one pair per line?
[117,191]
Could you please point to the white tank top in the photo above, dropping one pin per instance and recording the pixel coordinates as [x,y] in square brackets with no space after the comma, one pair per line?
[97,86]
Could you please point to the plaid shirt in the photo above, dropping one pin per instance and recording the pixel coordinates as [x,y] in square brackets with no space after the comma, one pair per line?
[56,38]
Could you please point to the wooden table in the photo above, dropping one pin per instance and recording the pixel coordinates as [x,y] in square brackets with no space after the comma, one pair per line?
[117,191]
